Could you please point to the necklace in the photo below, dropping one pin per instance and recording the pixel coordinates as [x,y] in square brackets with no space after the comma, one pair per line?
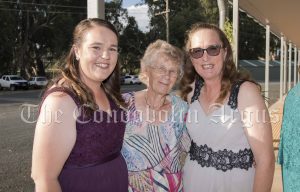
[153,107]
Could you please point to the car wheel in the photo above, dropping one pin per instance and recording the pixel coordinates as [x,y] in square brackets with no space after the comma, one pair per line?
[12,88]
[0,87]
[131,82]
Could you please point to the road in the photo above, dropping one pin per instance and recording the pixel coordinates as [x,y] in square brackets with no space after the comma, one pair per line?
[34,96]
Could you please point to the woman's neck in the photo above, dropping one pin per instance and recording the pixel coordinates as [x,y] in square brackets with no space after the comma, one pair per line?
[212,87]
[154,101]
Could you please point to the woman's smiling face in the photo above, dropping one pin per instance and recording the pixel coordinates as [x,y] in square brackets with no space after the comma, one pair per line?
[208,66]
[97,54]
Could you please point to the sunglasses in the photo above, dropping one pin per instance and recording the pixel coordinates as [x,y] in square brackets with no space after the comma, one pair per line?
[198,52]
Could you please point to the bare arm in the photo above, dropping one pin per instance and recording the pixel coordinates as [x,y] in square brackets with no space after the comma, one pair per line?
[54,138]
[259,134]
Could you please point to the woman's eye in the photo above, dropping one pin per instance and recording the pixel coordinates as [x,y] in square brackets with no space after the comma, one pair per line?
[213,48]
[96,48]
[198,50]
[113,49]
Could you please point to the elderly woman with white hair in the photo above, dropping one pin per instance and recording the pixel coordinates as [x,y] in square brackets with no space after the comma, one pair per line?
[156,139]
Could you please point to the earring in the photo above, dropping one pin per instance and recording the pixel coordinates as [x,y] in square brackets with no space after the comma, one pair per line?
[77,58]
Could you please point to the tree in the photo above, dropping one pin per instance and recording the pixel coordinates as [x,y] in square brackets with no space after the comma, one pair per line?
[180,11]
[7,38]
[132,46]
[182,15]
[37,37]
[131,40]
[116,14]
[228,30]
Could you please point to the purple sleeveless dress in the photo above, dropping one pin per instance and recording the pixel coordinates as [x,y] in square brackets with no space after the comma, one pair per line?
[95,163]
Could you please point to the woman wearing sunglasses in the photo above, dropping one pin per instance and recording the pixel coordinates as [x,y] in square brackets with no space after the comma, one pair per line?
[228,121]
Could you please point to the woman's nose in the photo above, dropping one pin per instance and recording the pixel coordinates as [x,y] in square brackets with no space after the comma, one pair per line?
[205,56]
[105,54]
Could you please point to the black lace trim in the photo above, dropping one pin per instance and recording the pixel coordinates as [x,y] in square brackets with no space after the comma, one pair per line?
[221,160]
[232,101]
[198,85]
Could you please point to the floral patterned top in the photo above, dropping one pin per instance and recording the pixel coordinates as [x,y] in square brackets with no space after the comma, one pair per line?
[155,154]
[289,147]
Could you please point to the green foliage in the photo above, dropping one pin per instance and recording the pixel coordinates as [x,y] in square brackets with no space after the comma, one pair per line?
[116,14]
[7,39]
[132,43]
[37,32]
[182,15]
[228,30]
[211,11]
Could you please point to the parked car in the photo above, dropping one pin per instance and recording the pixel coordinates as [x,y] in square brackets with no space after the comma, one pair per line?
[38,82]
[13,82]
[131,79]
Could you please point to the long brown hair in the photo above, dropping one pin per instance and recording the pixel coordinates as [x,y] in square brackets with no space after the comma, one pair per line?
[69,76]
[229,72]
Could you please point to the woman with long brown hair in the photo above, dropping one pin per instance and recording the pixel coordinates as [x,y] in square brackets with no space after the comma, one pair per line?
[228,121]
[79,132]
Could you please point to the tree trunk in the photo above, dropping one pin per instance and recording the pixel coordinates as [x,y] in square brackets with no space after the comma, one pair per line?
[40,67]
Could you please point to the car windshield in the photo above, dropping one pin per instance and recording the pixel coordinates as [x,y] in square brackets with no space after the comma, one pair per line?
[16,78]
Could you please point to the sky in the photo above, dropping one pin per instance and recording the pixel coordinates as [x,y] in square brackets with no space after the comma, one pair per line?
[139,12]
[127,3]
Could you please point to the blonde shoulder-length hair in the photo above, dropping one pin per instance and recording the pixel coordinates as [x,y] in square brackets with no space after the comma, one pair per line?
[157,50]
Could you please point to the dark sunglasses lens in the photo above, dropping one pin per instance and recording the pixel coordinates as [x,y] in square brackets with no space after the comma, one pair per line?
[196,53]
[213,50]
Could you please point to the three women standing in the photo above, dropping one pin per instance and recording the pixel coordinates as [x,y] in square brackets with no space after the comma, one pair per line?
[225,120]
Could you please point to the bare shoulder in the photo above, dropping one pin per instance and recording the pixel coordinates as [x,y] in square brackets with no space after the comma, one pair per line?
[60,100]
[58,105]
[249,94]
[248,85]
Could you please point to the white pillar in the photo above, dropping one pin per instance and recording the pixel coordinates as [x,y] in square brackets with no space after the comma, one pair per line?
[222,13]
[235,26]
[290,65]
[96,9]
[281,65]
[295,65]
[267,61]
[284,67]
